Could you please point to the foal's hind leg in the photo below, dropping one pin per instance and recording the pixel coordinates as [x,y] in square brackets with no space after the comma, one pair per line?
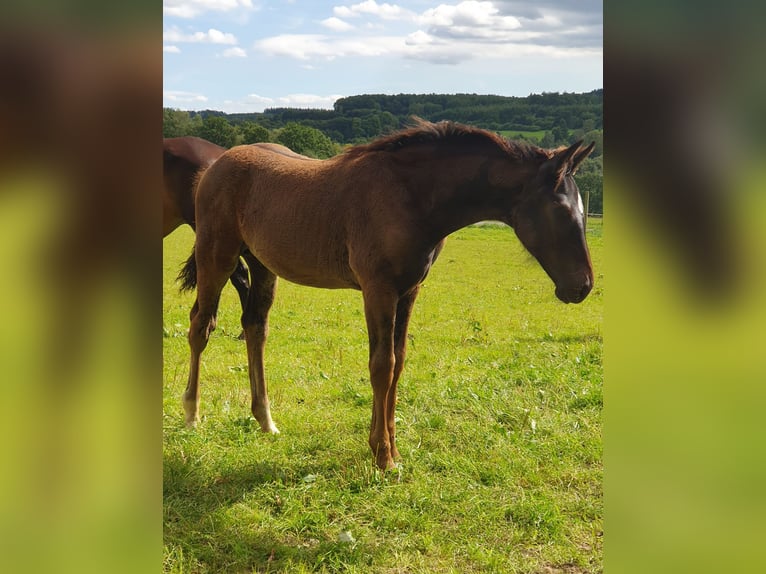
[212,273]
[255,322]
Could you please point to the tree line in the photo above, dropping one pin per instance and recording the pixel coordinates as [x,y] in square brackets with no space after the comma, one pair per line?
[548,119]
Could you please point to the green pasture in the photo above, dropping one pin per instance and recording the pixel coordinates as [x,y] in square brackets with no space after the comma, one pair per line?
[499,427]
[516,134]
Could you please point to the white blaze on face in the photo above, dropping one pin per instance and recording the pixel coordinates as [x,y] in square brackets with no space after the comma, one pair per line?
[579,204]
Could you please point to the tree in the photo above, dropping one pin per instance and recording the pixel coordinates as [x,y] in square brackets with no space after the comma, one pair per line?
[590,181]
[355,119]
[547,141]
[561,132]
[218,130]
[588,124]
[388,122]
[371,126]
[598,137]
[307,141]
[253,133]
[177,123]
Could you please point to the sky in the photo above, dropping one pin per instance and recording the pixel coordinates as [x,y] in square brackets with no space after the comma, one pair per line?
[248,55]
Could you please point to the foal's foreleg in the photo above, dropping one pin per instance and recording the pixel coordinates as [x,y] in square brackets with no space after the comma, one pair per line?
[403,314]
[255,323]
[380,310]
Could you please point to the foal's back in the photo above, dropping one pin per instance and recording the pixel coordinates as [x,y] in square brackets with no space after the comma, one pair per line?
[294,214]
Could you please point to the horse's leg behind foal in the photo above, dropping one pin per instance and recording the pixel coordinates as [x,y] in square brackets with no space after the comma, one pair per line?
[255,323]
[241,283]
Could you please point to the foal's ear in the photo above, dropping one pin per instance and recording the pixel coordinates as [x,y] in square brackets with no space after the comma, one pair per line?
[566,160]
[581,155]
[565,156]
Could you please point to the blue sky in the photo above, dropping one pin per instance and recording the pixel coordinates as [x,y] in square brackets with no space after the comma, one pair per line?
[247,55]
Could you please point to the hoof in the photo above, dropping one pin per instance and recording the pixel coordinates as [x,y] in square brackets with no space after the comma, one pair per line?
[269,427]
[192,423]
[263,415]
[191,413]
[384,453]
[385,463]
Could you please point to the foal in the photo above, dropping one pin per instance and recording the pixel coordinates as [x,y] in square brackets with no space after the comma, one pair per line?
[373,219]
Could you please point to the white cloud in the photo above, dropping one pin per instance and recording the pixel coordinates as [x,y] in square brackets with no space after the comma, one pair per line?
[235,52]
[308,101]
[469,19]
[441,52]
[385,10]
[336,24]
[171,49]
[193,8]
[258,103]
[419,45]
[217,37]
[446,34]
[467,13]
[259,100]
[558,22]
[306,46]
[179,97]
[418,38]
[212,36]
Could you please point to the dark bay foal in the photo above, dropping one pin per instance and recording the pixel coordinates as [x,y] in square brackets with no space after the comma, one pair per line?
[374,219]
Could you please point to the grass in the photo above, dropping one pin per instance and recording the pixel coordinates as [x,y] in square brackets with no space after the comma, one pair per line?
[499,427]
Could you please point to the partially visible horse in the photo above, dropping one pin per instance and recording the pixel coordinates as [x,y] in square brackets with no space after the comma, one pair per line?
[374,219]
[184,159]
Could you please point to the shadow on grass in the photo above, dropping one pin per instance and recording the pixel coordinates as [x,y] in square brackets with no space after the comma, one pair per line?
[249,550]
[231,519]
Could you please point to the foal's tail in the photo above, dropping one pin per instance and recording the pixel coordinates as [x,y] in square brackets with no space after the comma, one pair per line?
[188,274]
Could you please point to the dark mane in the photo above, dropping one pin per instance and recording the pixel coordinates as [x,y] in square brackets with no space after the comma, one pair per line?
[449,134]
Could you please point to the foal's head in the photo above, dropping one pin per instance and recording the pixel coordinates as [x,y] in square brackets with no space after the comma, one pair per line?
[549,221]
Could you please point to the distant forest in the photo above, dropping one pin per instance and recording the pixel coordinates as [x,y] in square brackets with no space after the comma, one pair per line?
[359,118]
[547,119]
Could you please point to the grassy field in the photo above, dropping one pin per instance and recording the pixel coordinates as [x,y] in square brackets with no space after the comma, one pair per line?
[499,427]
[515,134]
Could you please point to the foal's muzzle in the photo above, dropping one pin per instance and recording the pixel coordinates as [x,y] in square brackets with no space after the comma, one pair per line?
[575,293]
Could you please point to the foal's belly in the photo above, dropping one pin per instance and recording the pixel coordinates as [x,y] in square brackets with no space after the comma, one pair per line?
[315,280]
[307,267]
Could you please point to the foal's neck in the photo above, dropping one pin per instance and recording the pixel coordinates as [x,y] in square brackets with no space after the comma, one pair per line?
[461,191]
